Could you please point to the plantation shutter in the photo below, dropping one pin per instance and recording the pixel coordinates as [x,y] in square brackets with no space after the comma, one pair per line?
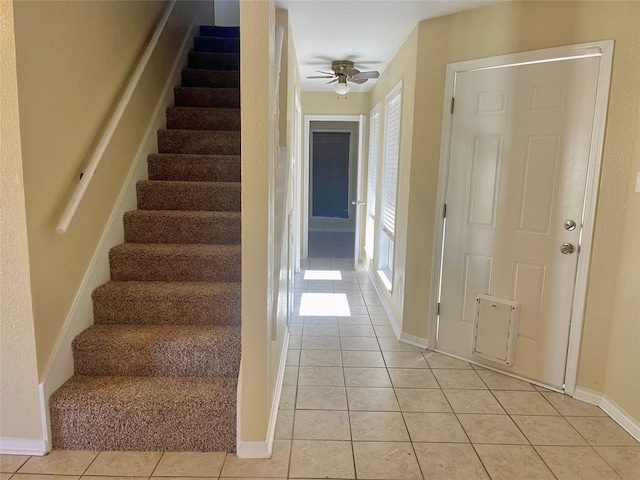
[374,138]
[391,154]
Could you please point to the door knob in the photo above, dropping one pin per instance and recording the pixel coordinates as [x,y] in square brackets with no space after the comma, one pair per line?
[567,248]
[570,225]
[357,202]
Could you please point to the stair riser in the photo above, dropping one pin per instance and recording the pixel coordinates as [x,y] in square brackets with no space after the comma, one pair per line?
[215,31]
[211,78]
[207,97]
[156,427]
[216,44]
[172,229]
[163,359]
[199,142]
[183,196]
[203,119]
[214,61]
[194,168]
[159,267]
[222,309]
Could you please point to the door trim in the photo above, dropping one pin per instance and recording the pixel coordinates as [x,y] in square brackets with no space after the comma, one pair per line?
[604,50]
[304,190]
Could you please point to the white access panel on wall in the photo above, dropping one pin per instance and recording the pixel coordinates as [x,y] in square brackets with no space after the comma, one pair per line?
[495,329]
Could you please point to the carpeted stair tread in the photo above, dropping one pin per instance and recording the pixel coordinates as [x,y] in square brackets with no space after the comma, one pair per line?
[200,118]
[214,60]
[180,195]
[175,262]
[145,413]
[227,97]
[167,303]
[163,350]
[193,77]
[216,44]
[216,31]
[194,168]
[199,142]
[180,226]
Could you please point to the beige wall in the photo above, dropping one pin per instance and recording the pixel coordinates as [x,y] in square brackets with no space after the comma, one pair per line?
[67,86]
[401,69]
[520,26]
[328,103]
[257,26]
[20,413]
[622,376]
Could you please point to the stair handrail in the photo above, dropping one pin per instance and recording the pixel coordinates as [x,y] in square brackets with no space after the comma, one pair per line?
[98,152]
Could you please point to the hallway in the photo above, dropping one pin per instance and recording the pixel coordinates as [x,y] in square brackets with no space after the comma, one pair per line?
[356,403]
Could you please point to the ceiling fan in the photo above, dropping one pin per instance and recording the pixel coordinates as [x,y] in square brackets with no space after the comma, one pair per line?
[344,72]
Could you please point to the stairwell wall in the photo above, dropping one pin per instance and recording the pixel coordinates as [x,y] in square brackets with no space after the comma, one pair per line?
[259,124]
[73,60]
[20,419]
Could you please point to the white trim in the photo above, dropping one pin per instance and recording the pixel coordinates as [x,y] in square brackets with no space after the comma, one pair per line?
[22,446]
[80,316]
[275,403]
[113,123]
[253,450]
[604,49]
[611,408]
[588,395]
[359,211]
[373,275]
[304,191]
[413,340]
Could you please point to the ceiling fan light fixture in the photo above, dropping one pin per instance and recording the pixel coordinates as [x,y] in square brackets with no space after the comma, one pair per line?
[341,87]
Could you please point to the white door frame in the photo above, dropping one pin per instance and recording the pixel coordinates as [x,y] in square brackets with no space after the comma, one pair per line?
[604,50]
[304,210]
[297,179]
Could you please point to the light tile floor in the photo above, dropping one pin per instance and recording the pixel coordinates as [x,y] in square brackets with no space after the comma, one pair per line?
[356,403]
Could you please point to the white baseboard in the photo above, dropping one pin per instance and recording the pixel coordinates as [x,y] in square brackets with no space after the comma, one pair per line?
[60,366]
[611,408]
[413,340]
[275,404]
[22,446]
[253,450]
[385,305]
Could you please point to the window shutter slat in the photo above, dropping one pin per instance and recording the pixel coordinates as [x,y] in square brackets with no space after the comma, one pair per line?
[391,158]
[374,131]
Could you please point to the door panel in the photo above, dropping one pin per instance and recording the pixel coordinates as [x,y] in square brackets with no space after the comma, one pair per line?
[518,160]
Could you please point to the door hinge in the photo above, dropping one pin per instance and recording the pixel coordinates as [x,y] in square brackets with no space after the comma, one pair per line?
[444,211]
[438,309]
[453,103]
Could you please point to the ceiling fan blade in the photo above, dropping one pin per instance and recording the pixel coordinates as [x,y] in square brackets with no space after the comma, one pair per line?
[332,81]
[351,71]
[371,74]
[326,73]
[357,79]
[321,76]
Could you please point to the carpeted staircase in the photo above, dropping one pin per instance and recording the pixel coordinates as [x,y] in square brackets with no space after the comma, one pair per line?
[159,368]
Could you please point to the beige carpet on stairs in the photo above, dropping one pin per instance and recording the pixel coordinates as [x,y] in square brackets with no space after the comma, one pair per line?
[159,368]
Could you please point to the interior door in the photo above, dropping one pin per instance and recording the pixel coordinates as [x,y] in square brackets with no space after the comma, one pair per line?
[518,161]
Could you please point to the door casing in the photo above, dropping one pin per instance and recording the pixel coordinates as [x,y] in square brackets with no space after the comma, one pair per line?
[603,49]
[304,188]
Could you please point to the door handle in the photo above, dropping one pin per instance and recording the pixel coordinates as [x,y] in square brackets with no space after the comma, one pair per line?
[359,203]
[567,248]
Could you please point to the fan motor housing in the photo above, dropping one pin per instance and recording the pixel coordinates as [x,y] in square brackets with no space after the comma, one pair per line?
[339,66]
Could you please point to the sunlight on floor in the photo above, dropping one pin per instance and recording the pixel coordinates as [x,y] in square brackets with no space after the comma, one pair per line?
[324,305]
[322,275]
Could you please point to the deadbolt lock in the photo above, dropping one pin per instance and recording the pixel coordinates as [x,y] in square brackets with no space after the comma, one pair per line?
[570,225]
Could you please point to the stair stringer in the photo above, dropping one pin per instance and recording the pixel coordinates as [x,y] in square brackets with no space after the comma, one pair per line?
[59,369]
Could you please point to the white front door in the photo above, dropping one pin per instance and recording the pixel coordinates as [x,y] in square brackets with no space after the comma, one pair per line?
[519,151]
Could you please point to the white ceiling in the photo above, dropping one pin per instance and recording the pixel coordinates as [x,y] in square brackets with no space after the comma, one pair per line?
[367,32]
